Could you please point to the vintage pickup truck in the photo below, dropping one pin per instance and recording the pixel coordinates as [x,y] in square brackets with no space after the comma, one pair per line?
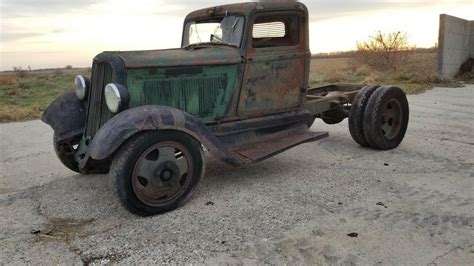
[237,87]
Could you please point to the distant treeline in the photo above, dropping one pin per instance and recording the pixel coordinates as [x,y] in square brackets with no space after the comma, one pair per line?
[350,54]
[42,70]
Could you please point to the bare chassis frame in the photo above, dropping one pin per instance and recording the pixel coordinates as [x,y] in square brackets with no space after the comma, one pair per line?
[330,97]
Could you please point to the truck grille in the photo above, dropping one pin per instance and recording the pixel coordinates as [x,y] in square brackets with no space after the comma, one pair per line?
[97,112]
[195,95]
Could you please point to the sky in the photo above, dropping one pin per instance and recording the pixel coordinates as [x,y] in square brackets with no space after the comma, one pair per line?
[56,33]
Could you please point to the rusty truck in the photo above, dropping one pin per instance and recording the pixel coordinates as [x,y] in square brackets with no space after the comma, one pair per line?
[237,88]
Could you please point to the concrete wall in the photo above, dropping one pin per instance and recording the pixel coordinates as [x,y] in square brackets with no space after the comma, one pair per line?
[472,40]
[456,44]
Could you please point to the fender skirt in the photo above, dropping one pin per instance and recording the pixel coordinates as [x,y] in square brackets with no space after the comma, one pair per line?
[67,116]
[130,122]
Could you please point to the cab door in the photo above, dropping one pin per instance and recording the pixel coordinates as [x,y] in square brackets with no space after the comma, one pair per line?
[277,64]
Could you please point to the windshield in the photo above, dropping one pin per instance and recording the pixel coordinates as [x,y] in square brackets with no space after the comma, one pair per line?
[226,32]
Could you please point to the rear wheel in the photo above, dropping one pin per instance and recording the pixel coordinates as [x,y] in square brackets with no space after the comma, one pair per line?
[157,172]
[356,115]
[386,118]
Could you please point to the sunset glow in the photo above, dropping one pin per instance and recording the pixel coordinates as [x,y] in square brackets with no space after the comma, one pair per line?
[53,33]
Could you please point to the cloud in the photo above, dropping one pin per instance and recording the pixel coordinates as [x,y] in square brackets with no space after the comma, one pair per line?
[14,8]
[13,31]
[81,28]
[15,36]
[318,9]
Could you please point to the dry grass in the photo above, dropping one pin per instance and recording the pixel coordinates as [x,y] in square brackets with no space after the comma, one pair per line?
[25,98]
[417,75]
[324,71]
[8,80]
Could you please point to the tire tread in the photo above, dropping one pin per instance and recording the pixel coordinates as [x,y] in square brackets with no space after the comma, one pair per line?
[372,118]
[356,115]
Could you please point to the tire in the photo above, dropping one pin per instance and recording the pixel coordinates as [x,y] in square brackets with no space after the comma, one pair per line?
[356,115]
[386,118]
[334,117]
[65,153]
[149,171]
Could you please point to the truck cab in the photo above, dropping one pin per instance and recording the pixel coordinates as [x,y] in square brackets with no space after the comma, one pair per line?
[272,41]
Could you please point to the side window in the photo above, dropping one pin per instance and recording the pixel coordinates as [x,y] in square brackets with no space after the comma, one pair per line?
[275,31]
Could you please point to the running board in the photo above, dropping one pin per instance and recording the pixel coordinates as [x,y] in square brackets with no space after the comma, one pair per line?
[260,151]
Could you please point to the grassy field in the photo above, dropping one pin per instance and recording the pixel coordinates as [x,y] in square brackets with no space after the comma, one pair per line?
[417,75]
[25,98]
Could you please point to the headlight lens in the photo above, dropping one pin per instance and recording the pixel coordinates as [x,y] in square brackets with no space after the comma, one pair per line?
[82,87]
[113,98]
[117,97]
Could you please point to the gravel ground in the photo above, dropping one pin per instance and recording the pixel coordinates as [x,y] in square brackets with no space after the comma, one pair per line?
[330,202]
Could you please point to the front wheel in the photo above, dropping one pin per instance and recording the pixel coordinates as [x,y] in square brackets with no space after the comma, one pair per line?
[157,172]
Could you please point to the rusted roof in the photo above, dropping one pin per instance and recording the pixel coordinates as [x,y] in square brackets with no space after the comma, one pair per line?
[247,8]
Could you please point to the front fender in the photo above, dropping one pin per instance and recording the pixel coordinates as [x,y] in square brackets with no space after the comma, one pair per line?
[144,118]
[66,115]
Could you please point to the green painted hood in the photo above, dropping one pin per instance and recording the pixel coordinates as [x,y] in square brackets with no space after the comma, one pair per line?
[180,57]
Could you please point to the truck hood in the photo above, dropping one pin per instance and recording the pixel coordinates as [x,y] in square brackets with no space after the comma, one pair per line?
[180,57]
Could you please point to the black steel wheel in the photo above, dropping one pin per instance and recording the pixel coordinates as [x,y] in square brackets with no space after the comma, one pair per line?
[356,115]
[157,172]
[386,118]
[65,153]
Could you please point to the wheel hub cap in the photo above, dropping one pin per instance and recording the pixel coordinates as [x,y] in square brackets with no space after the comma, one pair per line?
[392,119]
[161,173]
[166,175]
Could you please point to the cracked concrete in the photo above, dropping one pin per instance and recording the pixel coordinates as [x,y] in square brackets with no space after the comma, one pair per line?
[412,205]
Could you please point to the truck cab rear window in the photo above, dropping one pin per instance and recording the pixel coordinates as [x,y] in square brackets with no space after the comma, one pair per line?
[275,31]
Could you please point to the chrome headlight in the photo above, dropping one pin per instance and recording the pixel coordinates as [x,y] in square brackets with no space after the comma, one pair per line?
[82,87]
[116,97]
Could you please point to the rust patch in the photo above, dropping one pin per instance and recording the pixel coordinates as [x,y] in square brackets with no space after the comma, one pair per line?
[278,144]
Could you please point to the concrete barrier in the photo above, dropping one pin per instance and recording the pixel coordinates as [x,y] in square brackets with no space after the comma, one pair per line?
[456,44]
[472,40]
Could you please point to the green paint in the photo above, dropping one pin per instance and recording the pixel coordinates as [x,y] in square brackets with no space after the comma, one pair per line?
[82,148]
[204,92]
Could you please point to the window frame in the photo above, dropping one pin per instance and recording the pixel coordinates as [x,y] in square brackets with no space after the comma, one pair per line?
[215,19]
[275,16]
[285,29]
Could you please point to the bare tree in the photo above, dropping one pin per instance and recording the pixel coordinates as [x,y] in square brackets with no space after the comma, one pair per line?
[20,72]
[385,50]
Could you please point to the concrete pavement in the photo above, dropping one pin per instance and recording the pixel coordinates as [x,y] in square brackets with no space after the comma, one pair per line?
[329,202]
